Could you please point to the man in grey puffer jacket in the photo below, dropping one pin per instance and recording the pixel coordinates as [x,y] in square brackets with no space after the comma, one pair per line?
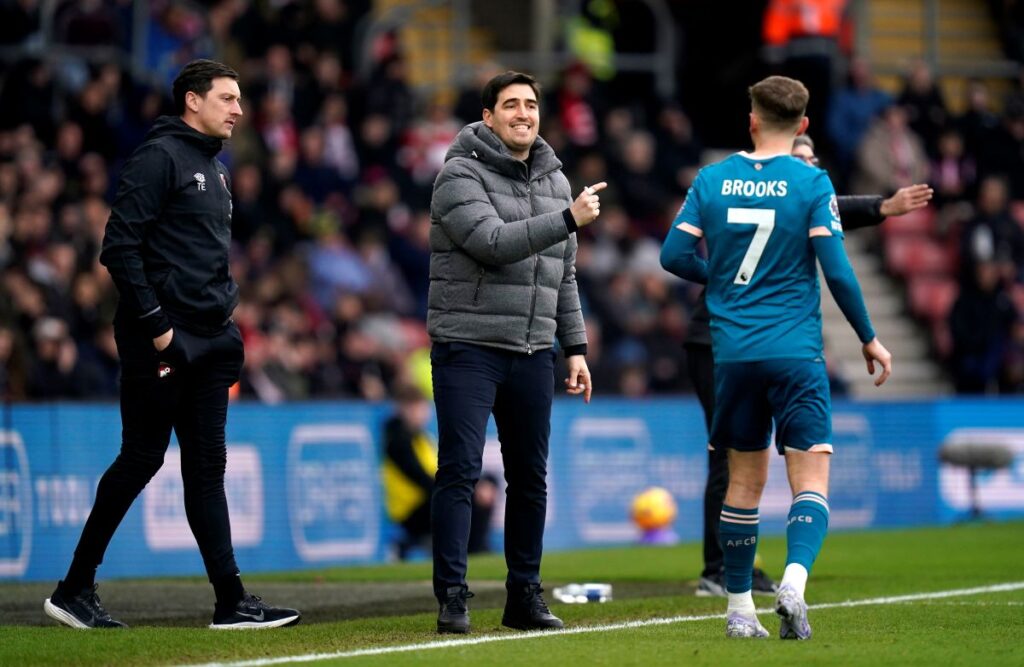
[502,288]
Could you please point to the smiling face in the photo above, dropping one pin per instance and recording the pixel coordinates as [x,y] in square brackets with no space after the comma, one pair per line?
[515,119]
[216,113]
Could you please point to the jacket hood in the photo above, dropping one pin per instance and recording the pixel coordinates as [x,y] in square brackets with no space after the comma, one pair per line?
[479,142]
[175,126]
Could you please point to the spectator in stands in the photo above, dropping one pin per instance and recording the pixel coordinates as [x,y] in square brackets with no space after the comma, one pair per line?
[953,172]
[678,149]
[851,113]
[891,156]
[979,124]
[645,195]
[57,371]
[926,110]
[1008,155]
[981,322]
[992,236]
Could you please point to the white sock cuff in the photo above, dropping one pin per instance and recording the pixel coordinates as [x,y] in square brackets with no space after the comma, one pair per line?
[795,576]
[742,603]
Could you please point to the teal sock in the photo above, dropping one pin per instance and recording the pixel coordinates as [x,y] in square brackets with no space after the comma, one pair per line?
[805,532]
[738,533]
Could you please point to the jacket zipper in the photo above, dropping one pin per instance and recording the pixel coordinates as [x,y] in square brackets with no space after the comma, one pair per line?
[533,303]
[479,282]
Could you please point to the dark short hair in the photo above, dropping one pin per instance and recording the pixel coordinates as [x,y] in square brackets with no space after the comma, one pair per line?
[804,140]
[780,101]
[198,76]
[489,95]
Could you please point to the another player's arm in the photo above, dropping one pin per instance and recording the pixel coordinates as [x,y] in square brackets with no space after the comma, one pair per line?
[679,252]
[858,211]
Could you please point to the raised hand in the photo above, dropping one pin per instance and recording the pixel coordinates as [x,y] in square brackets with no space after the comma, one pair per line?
[587,206]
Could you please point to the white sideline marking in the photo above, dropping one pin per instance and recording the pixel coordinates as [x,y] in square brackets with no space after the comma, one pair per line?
[585,629]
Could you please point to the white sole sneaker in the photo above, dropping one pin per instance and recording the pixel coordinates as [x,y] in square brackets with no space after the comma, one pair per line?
[253,625]
[792,612]
[740,626]
[63,617]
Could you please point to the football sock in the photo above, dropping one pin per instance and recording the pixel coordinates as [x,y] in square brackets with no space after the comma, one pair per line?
[79,577]
[795,576]
[742,603]
[738,533]
[805,533]
[228,590]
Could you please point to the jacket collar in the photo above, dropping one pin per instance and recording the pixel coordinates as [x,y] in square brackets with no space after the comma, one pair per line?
[479,142]
[175,126]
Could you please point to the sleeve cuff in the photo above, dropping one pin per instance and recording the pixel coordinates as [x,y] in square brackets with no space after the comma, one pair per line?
[157,323]
[570,222]
[575,350]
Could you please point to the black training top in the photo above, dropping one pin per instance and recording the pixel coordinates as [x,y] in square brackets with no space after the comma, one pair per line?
[167,239]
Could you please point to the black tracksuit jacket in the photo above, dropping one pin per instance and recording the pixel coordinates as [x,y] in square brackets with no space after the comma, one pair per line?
[167,240]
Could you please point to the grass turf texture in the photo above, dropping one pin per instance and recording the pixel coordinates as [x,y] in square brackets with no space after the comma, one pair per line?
[649,582]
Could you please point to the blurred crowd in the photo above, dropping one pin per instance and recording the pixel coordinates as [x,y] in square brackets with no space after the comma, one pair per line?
[332,174]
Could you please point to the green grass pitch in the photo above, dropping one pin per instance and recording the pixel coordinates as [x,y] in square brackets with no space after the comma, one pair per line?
[350,609]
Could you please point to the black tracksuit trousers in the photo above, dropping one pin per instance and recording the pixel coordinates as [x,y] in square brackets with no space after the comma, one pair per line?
[184,387]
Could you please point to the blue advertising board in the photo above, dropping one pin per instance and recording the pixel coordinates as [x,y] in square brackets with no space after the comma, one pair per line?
[303,481]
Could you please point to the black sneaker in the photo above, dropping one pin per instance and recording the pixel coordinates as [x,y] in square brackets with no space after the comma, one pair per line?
[453,617]
[252,612]
[763,584]
[80,610]
[525,609]
[711,585]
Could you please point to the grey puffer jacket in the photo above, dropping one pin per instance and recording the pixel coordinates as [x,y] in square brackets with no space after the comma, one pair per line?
[502,261]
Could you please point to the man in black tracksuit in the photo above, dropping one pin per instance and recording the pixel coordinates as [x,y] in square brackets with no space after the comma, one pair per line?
[856,211]
[166,247]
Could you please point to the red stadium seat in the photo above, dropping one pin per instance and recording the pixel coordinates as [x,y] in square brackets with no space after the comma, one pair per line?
[919,222]
[916,255]
[932,297]
[942,339]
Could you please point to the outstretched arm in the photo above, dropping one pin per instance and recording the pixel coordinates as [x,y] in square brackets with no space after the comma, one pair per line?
[859,211]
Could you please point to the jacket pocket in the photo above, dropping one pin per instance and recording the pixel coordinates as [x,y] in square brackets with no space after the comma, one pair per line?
[479,283]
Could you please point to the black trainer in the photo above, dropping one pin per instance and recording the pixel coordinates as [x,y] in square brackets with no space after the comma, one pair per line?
[525,609]
[252,612]
[80,610]
[763,584]
[453,617]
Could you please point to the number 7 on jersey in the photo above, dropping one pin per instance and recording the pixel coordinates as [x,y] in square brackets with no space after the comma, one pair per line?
[764,218]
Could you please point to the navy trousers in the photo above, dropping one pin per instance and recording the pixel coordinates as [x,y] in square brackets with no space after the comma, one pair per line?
[470,383]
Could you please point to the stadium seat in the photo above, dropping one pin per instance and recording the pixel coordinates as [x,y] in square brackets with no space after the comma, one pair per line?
[916,255]
[920,223]
[942,339]
[932,297]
